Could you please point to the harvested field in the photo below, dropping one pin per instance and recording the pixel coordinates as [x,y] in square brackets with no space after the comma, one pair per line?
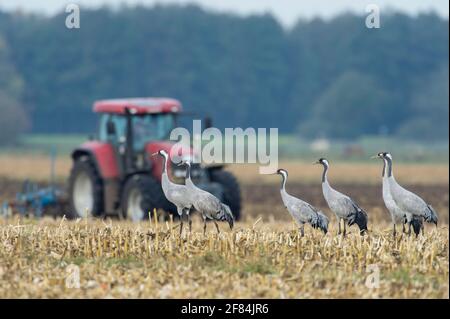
[259,259]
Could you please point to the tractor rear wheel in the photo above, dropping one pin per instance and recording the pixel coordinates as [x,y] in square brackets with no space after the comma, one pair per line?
[231,190]
[85,190]
[141,195]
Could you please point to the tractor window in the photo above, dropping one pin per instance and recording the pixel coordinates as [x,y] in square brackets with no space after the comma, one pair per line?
[151,127]
[120,124]
[146,128]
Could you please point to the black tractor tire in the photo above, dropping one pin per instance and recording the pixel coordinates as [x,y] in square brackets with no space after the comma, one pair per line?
[231,190]
[151,197]
[84,167]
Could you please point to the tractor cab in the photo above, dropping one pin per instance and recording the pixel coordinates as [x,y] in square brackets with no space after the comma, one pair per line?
[116,174]
[130,126]
[113,128]
[147,120]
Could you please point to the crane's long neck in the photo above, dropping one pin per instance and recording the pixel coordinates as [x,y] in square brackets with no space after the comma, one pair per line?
[325,174]
[283,183]
[164,166]
[188,173]
[165,181]
[164,175]
[284,194]
[383,174]
[188,181]
[389,167]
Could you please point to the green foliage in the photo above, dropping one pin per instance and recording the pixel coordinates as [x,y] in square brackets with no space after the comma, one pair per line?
[429,117]
[393,58]
[334,78]
[13,120]
[353,105]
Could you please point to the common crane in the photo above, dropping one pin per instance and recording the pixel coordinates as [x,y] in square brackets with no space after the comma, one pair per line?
[406,200]
[341,205]
[300,210]
[206,203]
[176,194]
[397,214]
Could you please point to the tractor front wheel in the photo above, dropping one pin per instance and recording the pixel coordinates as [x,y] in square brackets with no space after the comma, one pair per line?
[141,195]
[85,190]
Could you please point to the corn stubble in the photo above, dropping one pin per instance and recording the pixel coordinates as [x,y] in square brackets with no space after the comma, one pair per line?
[259,259]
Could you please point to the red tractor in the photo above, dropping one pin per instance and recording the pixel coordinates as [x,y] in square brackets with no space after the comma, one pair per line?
[116,174]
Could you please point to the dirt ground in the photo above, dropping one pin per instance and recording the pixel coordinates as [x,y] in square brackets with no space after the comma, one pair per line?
[263,200]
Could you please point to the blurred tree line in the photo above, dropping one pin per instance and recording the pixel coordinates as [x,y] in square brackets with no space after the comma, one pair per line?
[13,119]
[322,78]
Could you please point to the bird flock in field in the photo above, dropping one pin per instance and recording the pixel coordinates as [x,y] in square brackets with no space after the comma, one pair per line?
[404,206]
[187,197]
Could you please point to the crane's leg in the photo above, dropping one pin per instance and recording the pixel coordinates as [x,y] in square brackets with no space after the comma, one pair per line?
[302,229]
[409,229]
[217,227]
[180,213]
[403,228]
[181,225]
[345,229]
[204,226]
[339,226]
[190,222]
[187,212]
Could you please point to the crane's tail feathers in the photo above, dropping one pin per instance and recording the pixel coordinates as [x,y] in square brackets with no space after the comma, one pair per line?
[358,217]
[321,222]
[417,224]
[225,214]
[431,215]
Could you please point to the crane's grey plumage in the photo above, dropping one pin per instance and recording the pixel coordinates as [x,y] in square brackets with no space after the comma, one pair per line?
[406,200]
[206,203]
[175,193]
[300,210]
[397,214]
[341,205]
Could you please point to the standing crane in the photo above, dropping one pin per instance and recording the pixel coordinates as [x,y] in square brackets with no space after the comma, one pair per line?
[176,194]
[397,214]
[300,210]
[206,203]
[406,200]
[341,205]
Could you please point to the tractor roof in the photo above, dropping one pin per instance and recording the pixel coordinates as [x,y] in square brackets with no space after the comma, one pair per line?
[148,105]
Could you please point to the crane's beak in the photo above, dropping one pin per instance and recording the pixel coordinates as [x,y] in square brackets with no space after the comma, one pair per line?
[316,163]
[154,154]
[374,157]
